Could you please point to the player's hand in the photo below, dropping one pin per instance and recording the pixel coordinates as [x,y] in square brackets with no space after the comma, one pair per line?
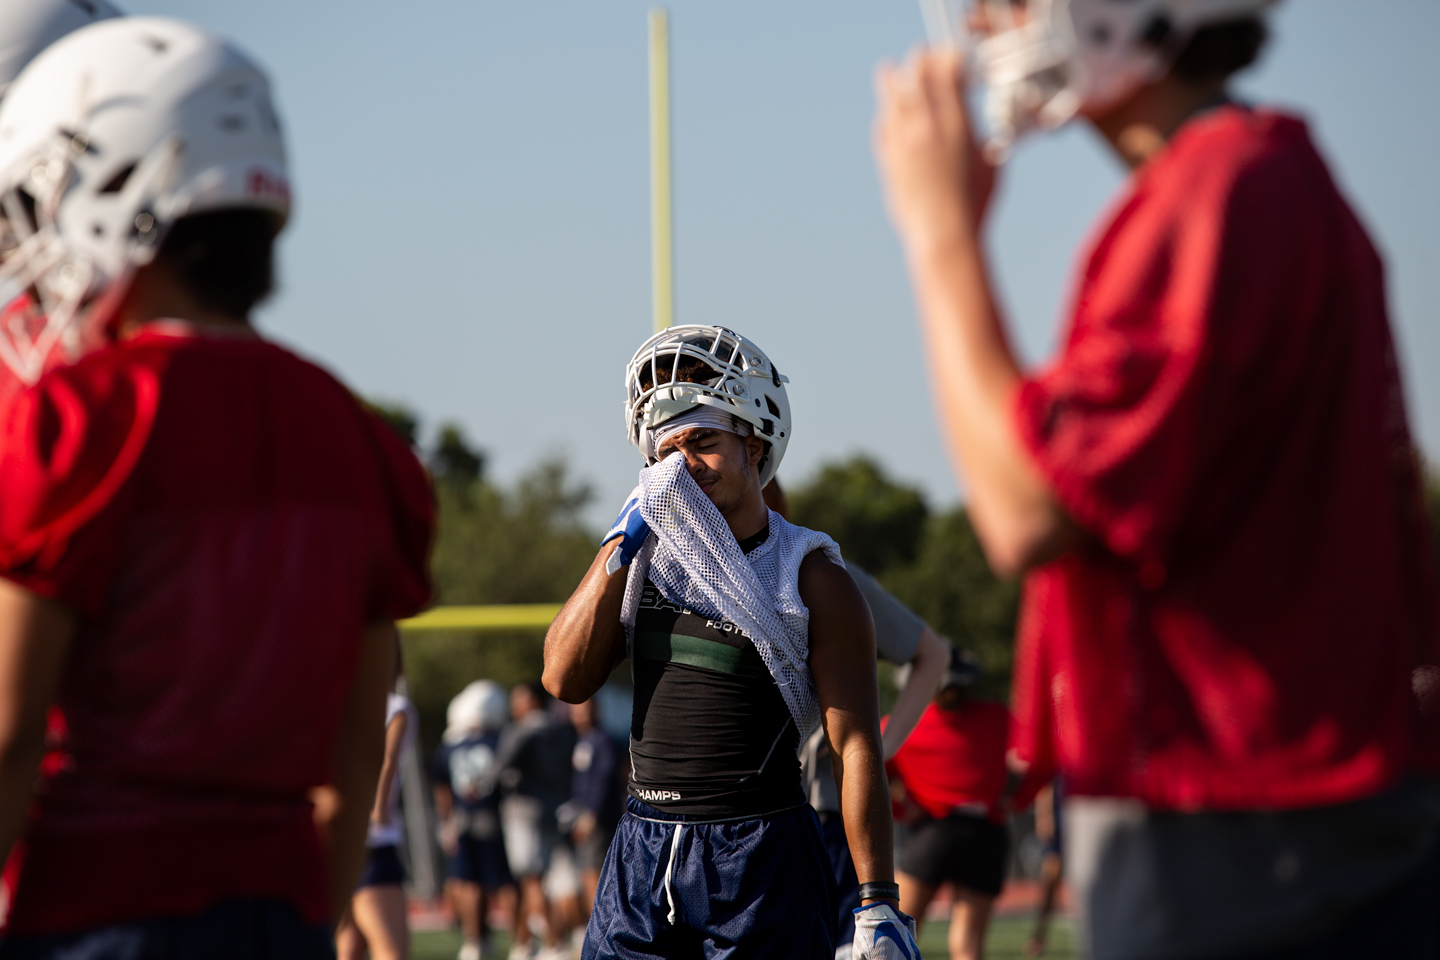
[448,834]
[584,826]
[632,530]
[936,178]
[884,933]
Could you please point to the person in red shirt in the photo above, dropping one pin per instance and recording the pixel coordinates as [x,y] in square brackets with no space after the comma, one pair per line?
[204,539]
[1212,490]
[952,785]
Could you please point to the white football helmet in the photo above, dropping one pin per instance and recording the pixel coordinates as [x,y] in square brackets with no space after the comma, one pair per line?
[29,26]
[746,385]
[108,137]
[1044,61]
[482,707]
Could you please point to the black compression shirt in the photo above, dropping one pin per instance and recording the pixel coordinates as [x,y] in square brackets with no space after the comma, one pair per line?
[710,734]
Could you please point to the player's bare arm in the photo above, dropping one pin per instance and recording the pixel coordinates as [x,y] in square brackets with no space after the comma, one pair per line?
[359,756]
[842,660]
[35,637]
[587,641]
[932,655]
[389,768]
[938,186]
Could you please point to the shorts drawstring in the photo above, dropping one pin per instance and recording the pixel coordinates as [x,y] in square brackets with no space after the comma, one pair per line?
[670,873]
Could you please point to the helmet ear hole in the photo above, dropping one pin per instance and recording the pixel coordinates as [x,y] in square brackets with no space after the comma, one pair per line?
[1157,32]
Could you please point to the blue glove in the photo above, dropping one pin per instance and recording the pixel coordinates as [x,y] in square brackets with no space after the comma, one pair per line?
[632,530]
[884,933]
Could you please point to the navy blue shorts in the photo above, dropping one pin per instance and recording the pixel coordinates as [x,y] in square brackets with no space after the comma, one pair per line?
[755,888]
[233,930]
[847,882]
[481,861]
[382,868]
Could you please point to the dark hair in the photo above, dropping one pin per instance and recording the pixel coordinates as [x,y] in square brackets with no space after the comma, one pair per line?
[225,259]
[1219,50]
[690,370]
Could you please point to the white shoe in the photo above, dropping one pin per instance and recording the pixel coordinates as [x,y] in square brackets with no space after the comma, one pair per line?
[470,950]
[520,951]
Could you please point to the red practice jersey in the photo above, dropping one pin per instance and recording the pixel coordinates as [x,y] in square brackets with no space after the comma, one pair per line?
[955,758]
[226,519]
[1226,421]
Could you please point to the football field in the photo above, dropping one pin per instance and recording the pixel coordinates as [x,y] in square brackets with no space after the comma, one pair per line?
[1007,937]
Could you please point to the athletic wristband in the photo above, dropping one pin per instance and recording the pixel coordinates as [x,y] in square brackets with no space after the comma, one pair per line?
[875,890]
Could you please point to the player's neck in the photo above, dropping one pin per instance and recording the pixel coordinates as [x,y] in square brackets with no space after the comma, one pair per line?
[1140,127]
[154,294]
[748,516]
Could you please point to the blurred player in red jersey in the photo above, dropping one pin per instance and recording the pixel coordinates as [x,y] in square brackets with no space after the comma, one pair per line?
[955,791]
[204,540]
[1212,488]
[26,28]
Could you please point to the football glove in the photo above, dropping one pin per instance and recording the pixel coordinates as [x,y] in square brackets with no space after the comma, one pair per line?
[632,530]
[884,933]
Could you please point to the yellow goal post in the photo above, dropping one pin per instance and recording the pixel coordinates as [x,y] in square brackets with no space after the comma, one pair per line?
[513,616]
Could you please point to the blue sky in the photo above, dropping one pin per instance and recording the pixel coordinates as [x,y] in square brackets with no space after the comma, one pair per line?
[471,235]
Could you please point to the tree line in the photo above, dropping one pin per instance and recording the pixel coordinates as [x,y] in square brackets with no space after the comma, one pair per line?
[527,543]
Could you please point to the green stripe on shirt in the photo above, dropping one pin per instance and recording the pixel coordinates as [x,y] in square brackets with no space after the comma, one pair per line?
[697,652]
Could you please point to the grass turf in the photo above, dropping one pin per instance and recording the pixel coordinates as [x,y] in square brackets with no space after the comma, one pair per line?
[1005,941]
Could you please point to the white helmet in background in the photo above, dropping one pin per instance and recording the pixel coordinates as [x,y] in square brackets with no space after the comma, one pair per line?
[1044,61]
[745,384]
[29,26]
[482,707]
[106,139]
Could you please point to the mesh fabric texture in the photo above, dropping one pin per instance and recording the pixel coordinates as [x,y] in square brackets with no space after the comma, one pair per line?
[694,560]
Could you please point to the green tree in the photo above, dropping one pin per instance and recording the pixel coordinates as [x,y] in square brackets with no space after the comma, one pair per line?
[877,522]
[933,564]
[400,417]
[950,585]
[454,461]
[524,544]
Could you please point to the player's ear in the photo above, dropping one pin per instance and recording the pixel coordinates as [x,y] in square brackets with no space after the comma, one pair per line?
[755,447]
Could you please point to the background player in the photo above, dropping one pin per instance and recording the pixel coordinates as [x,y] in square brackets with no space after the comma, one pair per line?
[743,632]
[597,797]
[1213,488]
[467,801]
[1050,831]
[951,781]
[378,923]
[532,763]
[205,693]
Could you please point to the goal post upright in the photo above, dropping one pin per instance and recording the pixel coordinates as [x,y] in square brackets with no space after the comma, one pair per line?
[662,247]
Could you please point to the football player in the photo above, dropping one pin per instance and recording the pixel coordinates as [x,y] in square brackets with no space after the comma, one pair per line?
[467,801]
[1212,488]
[204,539]
[744,634]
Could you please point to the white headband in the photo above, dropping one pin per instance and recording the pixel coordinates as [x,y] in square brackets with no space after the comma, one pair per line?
[701,416]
